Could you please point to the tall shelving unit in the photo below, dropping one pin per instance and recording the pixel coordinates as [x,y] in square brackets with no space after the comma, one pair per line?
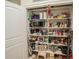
[50,37]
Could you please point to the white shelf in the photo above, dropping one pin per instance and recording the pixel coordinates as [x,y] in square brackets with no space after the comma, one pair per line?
[58,18]
[38,27]
[54,44]
[51,19]
[49,27]
[59,27]
[48,35]
[50,52]
[45,3]
[44,9]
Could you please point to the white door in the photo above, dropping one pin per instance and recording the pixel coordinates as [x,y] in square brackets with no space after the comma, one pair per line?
[16,36]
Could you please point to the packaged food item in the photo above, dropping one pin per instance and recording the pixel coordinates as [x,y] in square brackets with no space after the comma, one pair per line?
[44,32]
[50,24]
[60,17]
[62,40]
[58,33]
[58,51]
[34,33]
[51,55]
[41,15]
[53,41]
[54,24]
[35,16]
[50,33]
[65,14]
[46,39]
[45,15]
[64,33]
[60,57]
[33,38]
[54,33]
[36,47]
[65,24]
[62,24]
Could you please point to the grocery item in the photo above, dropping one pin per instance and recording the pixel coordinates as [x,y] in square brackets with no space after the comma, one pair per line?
[64,33]
[62,40]
[54,33]
[49,11]
[41,15]
[46,39]
[53,41]
[65,14]
[65,24]
[70,52]
[58,32]
[35,16]
[60,57]
[45,15]
[33,38]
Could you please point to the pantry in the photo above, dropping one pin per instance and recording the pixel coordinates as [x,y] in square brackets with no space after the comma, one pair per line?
[50,32]
[39,29]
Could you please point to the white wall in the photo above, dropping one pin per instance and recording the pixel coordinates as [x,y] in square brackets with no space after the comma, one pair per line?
[15,1]
[16,36]
[25,2]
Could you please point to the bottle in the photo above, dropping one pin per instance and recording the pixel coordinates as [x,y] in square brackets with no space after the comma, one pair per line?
[45,15]
[58,33]
[53,41]
[62,40]
[41,15]
[65,24]
[60,25]
[46,39]
[50,25]
[54,33]
[34,33]
[49,11]
[64,33]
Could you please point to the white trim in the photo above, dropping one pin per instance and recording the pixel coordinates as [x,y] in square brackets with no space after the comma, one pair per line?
[13,5]
[45,3]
